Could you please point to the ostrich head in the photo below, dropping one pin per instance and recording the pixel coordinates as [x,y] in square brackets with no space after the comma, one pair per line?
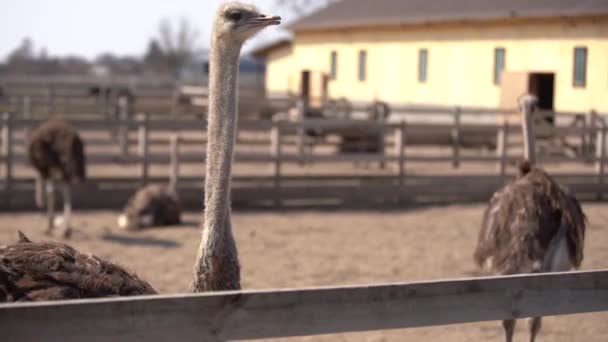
[527,100]
[238,22]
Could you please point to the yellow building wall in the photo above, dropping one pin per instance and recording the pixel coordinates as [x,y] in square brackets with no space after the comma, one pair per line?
[460,61]
[281,77]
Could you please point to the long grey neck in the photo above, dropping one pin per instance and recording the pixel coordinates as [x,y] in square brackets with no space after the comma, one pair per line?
[217,266]
[528,129]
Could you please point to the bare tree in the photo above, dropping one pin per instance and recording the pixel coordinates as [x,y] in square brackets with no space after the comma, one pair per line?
[178,45]
[21,59]
[154,58]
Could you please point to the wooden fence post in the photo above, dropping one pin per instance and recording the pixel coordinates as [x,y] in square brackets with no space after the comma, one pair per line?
[529,135]
[584,143]
[592,126]
[400,153]
[99,100]
[502,144]
[600,151]
[300,130]
[381,141]
[142,121]
[174,162]
[275,146]
[109,102]
[456,138]
[123,128]
[7,153]
[51,100]
[27,114]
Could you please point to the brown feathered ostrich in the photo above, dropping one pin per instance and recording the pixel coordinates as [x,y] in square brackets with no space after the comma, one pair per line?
[155,205]
[531,225]
[42,271]
[57,153]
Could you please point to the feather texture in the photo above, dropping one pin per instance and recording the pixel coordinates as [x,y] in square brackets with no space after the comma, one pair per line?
[34,271]
[523,218]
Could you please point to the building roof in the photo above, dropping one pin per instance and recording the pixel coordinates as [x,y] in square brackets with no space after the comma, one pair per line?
[264,50]
[359,13]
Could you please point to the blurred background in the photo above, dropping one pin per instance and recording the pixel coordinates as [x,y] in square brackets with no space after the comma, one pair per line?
[371,133]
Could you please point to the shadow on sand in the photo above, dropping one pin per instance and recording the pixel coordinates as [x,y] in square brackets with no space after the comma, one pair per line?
[139,240]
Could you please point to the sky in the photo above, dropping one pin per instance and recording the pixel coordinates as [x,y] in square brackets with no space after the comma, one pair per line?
[123,27]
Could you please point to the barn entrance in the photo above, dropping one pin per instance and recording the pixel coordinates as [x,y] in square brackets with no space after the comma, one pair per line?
[542,85]
[314,88]
[305,85]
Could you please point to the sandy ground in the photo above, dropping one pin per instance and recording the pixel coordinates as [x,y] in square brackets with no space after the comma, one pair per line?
[312,248]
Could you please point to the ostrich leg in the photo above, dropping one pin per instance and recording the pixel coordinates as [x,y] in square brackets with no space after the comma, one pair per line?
[535,324]
[509,325]
[67,209]
[50,205]
[40,189]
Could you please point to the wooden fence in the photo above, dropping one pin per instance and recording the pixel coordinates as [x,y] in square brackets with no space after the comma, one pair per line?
[306,312]
[44,97]
[279,188]
[313,311]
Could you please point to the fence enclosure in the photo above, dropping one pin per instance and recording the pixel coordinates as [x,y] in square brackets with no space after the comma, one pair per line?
[393,185]
[306,312]
[312,311]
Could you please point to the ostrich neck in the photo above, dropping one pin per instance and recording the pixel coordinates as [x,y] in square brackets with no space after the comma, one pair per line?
[217,266]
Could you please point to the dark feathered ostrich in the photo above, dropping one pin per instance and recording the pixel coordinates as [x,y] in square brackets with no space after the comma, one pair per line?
[155,205]
[531,225]
[57,153]
[50,271]
[151,206]
[46,271]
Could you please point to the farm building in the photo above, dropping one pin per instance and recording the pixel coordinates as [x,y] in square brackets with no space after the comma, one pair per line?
[472,53]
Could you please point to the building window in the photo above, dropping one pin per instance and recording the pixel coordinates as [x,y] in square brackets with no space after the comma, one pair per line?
[499,64]
[580,67]
[362,65]
[333,73]
[423,64]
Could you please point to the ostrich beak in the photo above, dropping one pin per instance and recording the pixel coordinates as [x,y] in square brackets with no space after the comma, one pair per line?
[265,20]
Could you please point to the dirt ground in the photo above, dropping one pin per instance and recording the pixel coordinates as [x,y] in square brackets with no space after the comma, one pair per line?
[312,248]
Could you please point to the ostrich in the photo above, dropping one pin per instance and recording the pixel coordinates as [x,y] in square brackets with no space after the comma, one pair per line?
[154,205]
[531,225]
[43,271]
[57,153]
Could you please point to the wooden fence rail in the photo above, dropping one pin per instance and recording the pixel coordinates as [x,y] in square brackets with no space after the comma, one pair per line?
[306,312]
[282,134]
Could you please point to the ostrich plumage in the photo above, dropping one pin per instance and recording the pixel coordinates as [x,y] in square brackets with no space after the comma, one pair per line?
[522,222]
[151,206]
[531,225]
[32,271]
[57,153]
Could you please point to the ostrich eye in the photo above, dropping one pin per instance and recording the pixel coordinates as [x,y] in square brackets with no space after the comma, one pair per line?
[235,15]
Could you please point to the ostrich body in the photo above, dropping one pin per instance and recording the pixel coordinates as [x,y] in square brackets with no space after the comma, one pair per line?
[51,271]
[151,206]
[155,205]
[57,153]
[531,225]
[43,271]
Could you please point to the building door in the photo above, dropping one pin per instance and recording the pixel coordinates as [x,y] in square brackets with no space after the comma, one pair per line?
[515,84]
[305,85]
[543,86]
